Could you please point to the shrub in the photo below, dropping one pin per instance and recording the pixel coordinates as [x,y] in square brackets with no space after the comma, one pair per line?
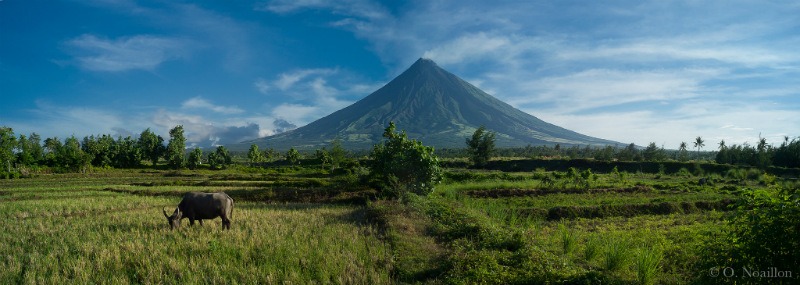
[762,233]
[400,165]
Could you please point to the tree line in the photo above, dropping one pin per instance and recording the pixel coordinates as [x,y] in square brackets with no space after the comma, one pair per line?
[19,155]
[762,155]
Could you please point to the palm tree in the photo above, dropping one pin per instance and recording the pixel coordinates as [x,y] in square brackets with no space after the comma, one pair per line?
[699,144]
[682,152]
[721,144]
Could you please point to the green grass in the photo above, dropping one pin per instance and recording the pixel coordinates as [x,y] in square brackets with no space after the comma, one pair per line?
[486,227]
[68,230]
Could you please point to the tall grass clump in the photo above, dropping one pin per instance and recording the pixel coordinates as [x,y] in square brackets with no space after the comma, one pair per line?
[568,239]
[647,265]
[616,254]
[592,249]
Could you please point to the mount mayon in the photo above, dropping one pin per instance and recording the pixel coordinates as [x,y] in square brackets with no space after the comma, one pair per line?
[433,106]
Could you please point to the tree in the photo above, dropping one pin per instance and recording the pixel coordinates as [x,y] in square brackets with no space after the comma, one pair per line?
[683,154]
[399,165]
[52,148]
[653,153]
[195,158]
[176,147]
[723,155]
[71,156]
[254,155]
[629,153]
[481,146]
[699,144]
[127,153]
[293,156]
[220,158]
[323,156]
[338,154]
[8,141]
[30,149]
[270,154]
[152,146]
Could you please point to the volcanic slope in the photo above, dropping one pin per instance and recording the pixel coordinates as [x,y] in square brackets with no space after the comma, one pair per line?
[433,106]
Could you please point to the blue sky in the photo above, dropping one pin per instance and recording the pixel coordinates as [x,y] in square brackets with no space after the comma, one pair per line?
[630,71]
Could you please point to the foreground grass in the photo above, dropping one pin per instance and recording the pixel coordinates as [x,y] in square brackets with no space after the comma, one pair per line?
[72,233]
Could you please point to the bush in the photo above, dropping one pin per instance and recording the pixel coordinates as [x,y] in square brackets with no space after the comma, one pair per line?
[400,165]
[763,233]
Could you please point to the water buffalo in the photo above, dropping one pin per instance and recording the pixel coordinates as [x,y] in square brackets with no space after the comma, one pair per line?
[201,206]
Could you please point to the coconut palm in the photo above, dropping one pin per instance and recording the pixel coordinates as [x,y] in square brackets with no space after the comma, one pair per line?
[699,144]
[682,152]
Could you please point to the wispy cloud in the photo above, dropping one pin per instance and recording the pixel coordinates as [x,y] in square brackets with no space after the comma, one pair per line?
[310,94]
[144,52]
[356,8]
[200,103]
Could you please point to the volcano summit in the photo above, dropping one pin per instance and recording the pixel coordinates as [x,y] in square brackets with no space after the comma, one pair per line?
[433,106]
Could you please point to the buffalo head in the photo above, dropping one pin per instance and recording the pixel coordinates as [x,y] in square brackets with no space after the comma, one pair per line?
[174,220]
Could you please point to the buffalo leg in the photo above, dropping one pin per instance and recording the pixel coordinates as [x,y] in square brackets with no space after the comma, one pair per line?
[226,223]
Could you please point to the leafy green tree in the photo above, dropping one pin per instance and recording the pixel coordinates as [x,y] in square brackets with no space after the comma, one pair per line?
[270,154]
[293,156]
[653,153]
[323,156]
[220,158]
[127,153]
[400,165]
[195,158]
[788,153]
[100,149]
[8,141]
[337,153]
[52,148]
[254,155]
[629,153]
[176,147]
[481,146]
[152,146]
[72,156]
[29,149]
[604,154]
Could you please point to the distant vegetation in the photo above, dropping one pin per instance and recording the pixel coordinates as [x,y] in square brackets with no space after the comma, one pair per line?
[88,211]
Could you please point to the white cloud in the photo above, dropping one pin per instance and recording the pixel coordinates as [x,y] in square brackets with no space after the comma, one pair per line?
[296,113]
[356,8]
[144,52]
[200,103]
[262,85]
[596,88]
[287,80]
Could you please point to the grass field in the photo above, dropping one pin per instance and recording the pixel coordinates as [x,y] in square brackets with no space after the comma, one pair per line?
[67,229]
[300,226]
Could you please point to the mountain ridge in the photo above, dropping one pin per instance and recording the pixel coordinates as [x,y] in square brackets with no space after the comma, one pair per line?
[432,105]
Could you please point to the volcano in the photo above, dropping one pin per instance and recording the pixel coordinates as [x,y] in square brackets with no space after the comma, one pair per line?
[433,106]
